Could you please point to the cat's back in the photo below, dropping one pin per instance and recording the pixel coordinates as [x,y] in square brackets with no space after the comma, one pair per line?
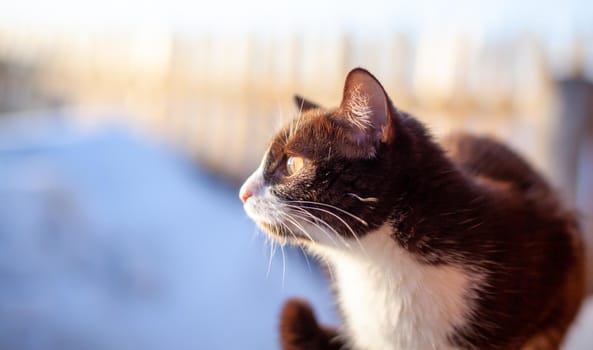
[559,268]
[487,158]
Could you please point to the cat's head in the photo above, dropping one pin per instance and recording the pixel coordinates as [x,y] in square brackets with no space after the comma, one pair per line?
[331,175]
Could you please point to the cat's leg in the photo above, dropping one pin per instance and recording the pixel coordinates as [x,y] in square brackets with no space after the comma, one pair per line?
[299,330]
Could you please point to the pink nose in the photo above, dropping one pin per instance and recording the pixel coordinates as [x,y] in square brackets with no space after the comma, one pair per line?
[245,196]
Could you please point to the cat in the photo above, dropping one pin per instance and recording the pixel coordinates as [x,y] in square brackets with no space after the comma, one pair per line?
[458,245]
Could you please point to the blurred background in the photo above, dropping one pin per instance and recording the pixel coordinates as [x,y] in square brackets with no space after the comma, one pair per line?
[126,128]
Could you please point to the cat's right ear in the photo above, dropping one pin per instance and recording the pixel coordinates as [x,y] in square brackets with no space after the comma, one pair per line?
[303,104]
[366,109]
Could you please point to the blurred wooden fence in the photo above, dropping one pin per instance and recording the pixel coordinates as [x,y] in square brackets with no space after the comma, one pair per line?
[221,97]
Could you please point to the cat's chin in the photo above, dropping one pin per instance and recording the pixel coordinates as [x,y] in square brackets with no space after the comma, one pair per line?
[282,233]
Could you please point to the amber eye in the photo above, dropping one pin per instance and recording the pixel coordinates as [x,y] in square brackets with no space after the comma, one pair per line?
[294,164]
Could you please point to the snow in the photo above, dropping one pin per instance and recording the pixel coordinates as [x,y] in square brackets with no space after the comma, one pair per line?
[109,240]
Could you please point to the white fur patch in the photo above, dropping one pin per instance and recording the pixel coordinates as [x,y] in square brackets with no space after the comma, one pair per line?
[390,300]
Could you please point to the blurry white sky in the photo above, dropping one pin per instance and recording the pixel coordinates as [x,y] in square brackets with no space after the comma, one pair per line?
[559,18]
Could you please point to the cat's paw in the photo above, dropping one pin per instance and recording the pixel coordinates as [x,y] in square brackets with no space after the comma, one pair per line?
[300,330]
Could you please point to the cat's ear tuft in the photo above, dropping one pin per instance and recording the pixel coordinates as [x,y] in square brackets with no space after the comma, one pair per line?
[366,108]
[303,104]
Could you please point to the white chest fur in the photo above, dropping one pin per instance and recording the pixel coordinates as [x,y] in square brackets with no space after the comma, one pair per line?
[392,301]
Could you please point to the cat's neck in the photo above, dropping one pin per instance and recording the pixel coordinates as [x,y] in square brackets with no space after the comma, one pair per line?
[440,196]
[384,292]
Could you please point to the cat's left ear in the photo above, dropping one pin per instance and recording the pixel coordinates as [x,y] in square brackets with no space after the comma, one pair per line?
[303,104]
[367,109]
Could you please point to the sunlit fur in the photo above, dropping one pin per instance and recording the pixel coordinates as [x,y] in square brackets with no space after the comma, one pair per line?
[454,246]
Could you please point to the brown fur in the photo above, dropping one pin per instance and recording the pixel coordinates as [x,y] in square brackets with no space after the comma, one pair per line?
[471,201]
[299,329]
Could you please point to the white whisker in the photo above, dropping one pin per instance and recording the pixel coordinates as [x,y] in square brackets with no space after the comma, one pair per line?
[306,257]
[345,224]
[367,199]
[253,235]
[315,221]
[300,227]
[271,256]
[283,265]
[333,207]
[312,219]
[341,220]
